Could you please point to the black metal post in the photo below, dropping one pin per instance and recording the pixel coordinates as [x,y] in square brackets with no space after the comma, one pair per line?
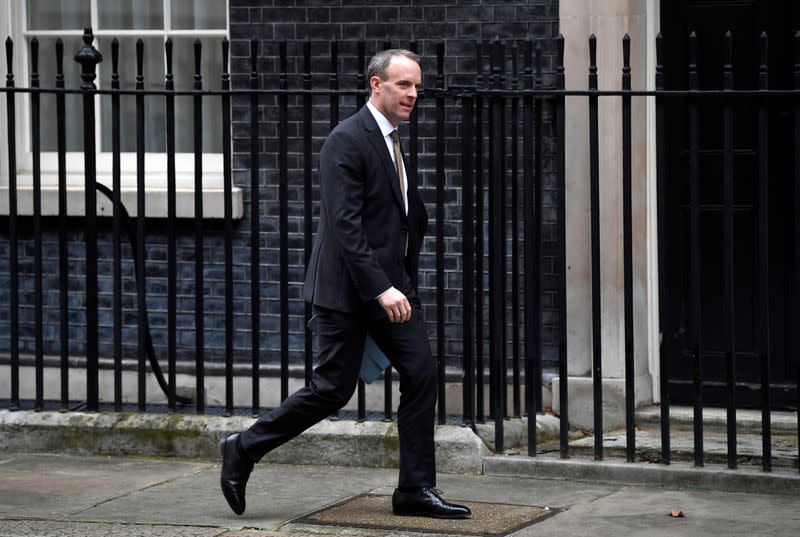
[562,255]
[515,317]
[594,186]
[479,365]
[529,214]
[440,183]
[13,263]
[199,276]
[115,224]
[627,226]
[497,239]
[36,150]
[728,278]
[89,57]
[63,264]
[536,250]
[468,258]
[796,213]
[255,200]
[308,232]
[172,266]
[661,188]
[227,185]
[763,257]
[729,285]
[283,219]
[141,289]
[694,248]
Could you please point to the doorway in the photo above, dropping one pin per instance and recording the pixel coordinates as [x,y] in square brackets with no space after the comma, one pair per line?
[745,19]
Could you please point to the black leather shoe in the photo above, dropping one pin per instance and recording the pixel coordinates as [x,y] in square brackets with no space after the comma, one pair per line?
[426,501]
[234,475]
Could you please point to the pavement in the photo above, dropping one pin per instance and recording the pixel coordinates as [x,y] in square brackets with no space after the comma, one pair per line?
[64,495]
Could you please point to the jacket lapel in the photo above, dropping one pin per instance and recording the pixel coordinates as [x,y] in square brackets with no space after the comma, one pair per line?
[378,143]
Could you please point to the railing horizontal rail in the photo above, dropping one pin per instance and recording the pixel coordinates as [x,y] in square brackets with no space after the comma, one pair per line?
[459,93]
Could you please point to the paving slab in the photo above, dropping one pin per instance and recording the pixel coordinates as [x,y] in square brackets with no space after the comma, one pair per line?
[34,485]
[638,511]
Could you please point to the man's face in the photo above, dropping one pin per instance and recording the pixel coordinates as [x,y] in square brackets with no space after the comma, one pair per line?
[395,96]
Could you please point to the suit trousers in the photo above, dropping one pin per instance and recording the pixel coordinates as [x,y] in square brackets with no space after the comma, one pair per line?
[340,343]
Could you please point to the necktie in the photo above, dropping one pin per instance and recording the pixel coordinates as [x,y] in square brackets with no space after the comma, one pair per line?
[398,162]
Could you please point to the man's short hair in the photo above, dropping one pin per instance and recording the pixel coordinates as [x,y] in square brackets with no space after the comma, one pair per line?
[380,63]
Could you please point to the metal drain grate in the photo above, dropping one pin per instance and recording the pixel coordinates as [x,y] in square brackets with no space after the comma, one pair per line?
[375,511]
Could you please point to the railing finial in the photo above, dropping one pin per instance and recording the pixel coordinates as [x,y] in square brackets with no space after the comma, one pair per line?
[88,57]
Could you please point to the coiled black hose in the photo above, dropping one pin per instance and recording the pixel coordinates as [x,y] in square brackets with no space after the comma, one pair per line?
[151,352]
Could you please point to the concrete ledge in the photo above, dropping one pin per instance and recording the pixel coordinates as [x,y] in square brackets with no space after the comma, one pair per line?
[334,442]
[676,475]
[515,431]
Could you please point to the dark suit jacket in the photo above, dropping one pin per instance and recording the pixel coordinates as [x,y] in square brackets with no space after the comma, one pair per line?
[359,246]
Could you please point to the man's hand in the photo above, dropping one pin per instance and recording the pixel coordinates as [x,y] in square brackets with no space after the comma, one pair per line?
[396,305]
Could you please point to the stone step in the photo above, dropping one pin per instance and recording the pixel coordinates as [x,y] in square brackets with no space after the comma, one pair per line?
[784,449]
[715,420]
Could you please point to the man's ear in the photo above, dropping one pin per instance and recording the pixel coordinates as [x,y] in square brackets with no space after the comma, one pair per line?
[374,83]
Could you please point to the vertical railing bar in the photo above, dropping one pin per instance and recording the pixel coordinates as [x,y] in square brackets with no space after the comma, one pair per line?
[199,277]
[172,270]
[228,226]
[529,213]
[536,250]
[360,100]
[116,193]
[560,119]
[440,184]
[63,262]
[13,263]
[515,317]
[255,199]
[627,224]
[308,362]
[387,374]
[796,213]
[763,256]
[728,279]
[140,231]
[728,300]
[594,171]
[283,220]
[489,171]
[479,366]
[468,257]
[89,57]
[661,183]
[497,238]
[695,253]
[36,150]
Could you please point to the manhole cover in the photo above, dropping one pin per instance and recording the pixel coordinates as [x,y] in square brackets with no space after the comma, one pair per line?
[375,511]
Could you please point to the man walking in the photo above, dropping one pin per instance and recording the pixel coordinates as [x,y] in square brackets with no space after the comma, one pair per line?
[362,279]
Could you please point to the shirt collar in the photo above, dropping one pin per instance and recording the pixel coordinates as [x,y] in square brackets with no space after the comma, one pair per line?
[383,124]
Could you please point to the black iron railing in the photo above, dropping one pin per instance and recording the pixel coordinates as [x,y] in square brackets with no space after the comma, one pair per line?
[493,111]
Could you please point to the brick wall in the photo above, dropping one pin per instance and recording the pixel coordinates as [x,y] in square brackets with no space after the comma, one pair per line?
[459,24]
